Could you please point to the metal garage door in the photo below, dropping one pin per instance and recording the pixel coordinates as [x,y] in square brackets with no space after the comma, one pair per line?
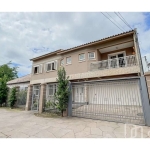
[118,101]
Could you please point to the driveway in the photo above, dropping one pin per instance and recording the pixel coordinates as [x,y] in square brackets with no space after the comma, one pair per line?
[24,124]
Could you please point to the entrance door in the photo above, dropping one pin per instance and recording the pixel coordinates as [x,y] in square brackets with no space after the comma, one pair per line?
[117,60]
[79,94]
[35,97]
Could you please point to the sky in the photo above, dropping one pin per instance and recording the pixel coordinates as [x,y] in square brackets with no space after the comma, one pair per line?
[27,35]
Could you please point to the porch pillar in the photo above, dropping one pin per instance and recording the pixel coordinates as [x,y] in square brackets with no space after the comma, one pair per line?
[70,101]
[29,97]
[86,93]
[42,97]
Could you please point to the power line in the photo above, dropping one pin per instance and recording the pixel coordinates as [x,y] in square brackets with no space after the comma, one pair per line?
[112,22]
[124,21]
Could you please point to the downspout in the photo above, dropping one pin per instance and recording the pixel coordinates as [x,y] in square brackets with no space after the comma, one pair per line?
[137,48]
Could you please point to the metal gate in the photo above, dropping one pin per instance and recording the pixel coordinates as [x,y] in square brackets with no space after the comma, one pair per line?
[118,101]
[35,97]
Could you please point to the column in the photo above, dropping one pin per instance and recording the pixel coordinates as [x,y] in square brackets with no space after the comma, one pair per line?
[86,93]
[42,97]
[29,98]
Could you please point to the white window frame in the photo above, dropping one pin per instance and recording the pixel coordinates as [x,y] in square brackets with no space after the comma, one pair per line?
[51,62]
[83,58]
[34,69]
[67,62]
[62,60]
[116,54]
[54,87]
[91,58]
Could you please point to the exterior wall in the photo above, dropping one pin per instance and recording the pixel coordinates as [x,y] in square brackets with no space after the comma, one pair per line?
[98,74]
[147,75]
[128,52]
[21,85]
[78,69]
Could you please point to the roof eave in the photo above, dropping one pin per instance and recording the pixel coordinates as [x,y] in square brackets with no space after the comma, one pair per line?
[97,42]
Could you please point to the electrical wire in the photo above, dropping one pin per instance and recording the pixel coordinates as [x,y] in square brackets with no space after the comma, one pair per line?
[112,21]
[124,21]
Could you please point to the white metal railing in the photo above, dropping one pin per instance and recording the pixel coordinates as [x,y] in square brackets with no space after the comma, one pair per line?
[114,63]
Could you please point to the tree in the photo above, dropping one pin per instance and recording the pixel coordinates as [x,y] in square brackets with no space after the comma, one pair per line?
[10,73]
[13,97]
[62,93]
[3,90]
[7,73]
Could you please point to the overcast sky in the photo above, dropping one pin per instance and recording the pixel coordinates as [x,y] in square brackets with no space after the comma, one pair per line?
[27,35]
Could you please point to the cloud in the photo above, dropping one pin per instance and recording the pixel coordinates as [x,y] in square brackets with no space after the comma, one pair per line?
[27,35]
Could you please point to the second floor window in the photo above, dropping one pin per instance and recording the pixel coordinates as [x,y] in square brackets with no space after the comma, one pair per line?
[68,60]
[51,66]
[91,55]
[36,69]
[81,57]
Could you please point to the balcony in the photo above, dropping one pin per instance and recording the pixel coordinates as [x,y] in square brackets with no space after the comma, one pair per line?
[120,62]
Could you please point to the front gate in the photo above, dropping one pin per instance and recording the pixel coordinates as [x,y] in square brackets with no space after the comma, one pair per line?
[35,97]
[118,101]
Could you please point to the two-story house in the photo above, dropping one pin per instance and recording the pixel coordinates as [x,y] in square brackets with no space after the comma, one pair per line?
[104,76]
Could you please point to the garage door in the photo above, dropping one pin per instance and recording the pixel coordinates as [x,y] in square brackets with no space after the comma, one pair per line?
[118,101]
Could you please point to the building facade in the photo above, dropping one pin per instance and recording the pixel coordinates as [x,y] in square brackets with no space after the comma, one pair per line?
[104,76]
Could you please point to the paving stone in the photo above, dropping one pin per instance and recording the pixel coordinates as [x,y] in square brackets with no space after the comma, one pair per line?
[94,136]
[96,131]
[108,135]
[60,133]
[2,135]
[106,128]
[44,134]
[25,124]
[18,135]
[82,134]
[106,123]
[93,124]
[69,135]
[76,128]
[53,129]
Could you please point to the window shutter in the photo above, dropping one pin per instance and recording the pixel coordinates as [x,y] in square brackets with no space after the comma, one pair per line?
[41,68]
[45,67]
[32,70]
[55,62]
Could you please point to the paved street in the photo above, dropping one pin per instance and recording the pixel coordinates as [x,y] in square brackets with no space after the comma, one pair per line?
[23,124]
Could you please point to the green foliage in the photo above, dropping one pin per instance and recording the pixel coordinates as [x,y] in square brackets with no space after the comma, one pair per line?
[3,91]
[62,93]
[12,97]
[22,96]
[7,73]
[49,104]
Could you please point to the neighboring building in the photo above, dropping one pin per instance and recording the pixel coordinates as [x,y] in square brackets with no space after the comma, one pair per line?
[21,85]
[105,77]
[21,82]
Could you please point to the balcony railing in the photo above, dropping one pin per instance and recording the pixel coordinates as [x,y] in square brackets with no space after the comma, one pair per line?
[114,63]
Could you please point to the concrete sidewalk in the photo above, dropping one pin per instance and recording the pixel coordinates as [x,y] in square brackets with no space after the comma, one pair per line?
[23,124]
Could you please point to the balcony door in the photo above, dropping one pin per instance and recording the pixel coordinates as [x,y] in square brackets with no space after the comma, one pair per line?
[116,60]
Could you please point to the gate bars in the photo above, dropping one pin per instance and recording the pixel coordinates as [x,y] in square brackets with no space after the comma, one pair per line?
[118,100]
